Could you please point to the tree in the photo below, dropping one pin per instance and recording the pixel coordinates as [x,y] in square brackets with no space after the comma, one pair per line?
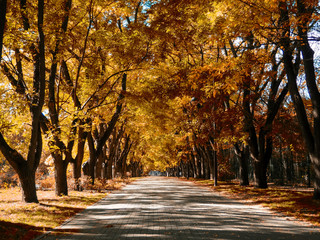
[96,151]
[260,138]
[216,71]
[57,147]
[83,78]
[26,167]
[305,11]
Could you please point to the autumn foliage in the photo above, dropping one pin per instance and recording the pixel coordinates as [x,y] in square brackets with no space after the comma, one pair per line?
[203,89]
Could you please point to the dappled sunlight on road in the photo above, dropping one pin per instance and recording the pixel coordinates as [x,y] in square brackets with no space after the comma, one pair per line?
[166,208]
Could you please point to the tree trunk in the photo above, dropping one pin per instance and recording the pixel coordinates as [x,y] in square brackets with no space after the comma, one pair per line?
[135,169]
[288,166]
[200,160]
[25,169]
[244,174]
[206,165]
[210,154]
[101,159]
[188,170]
[243,156]
[109,168]
[93,158]
[28,185]
[196,165]
[260,174]
[215,168]
[124,155]
[139,170]
[60,175]
[77,176]
[99,165]
[281,164]
[112,153]
[77,163]
[308,171]
[315,159]
[261,162]
[191,166]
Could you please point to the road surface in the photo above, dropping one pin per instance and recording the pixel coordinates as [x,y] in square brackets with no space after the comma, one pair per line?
[168,208]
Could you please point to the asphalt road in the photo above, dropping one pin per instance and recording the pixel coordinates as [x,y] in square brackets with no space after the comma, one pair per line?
[167,208]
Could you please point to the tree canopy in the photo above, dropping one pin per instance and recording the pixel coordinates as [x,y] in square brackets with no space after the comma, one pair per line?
[160,84]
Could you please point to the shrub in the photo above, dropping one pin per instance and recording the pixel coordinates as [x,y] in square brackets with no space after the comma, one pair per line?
[100,184]
[46,183]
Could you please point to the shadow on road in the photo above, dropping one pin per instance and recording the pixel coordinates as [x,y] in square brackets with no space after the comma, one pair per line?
[165,208]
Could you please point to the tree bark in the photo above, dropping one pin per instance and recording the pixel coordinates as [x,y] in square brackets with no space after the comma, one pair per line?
[101,164]
[243,156]
[28,185]
[192,165]
[92,157]
[77,162]
[60,175]
[109,168]
[215,168]
[102,157]
[211,165]
[112,152]
[124,155]
[199,168]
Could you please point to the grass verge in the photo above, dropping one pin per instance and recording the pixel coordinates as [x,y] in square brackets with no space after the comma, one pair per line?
[292,202]
[25,221]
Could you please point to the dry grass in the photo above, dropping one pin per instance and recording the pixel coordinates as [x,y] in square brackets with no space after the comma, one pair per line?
[25,221]
[297,203]
[20,220]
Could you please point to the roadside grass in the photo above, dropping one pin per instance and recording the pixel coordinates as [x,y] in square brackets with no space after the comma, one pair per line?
[25,221]
[290,201]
